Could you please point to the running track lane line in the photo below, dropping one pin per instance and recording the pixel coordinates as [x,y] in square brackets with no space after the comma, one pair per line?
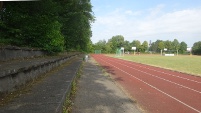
[159,77]
[155,88]
[164,72]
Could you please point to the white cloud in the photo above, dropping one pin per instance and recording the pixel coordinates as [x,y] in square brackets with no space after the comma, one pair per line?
[155,25]
[187,21]
[157,10]
[131,13]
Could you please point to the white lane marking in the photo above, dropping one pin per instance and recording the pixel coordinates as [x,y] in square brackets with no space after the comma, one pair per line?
[159,78]
[156,88]
[164,73]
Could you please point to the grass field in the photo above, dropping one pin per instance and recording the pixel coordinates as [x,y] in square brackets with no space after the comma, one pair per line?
[188,64]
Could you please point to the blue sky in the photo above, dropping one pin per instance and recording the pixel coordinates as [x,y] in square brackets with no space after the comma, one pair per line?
[147,20]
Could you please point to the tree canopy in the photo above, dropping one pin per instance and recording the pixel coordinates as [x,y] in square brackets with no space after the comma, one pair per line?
[196,49]
[118,41]
[51,25]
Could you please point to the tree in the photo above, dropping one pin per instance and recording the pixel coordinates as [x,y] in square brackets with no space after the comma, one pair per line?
[161,45]
[90,48]
[127,46]
[183,47]
[168,45]
[108,47]
[117,42]
[196,49]
[144,46]
[32,24]
[154,46]
[100,44]
[176,45]
[76,16]
[51,25]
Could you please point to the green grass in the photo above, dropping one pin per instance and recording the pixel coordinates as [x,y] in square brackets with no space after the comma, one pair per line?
[187,64]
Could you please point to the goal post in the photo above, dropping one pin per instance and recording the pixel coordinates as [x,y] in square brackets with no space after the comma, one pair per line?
[97,51]
[118,52]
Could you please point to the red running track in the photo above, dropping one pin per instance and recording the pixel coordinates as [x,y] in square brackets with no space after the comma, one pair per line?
[156,90]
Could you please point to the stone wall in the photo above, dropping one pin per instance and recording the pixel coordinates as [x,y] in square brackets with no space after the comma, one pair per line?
[13,52]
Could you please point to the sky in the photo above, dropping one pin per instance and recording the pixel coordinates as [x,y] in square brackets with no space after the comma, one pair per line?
[147,20]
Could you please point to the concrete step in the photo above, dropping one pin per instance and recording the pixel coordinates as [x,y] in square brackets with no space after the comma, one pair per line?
[48,95]
[16,73]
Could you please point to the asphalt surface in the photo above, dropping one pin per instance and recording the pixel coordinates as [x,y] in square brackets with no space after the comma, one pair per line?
[98,93]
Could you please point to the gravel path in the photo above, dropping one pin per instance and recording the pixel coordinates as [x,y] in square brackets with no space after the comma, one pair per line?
[97,93]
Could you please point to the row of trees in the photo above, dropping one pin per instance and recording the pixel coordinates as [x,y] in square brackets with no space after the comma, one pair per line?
[118,41]
[171,46]
[52,25]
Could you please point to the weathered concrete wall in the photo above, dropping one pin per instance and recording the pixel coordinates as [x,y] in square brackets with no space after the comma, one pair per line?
[12,81]
[13,52]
